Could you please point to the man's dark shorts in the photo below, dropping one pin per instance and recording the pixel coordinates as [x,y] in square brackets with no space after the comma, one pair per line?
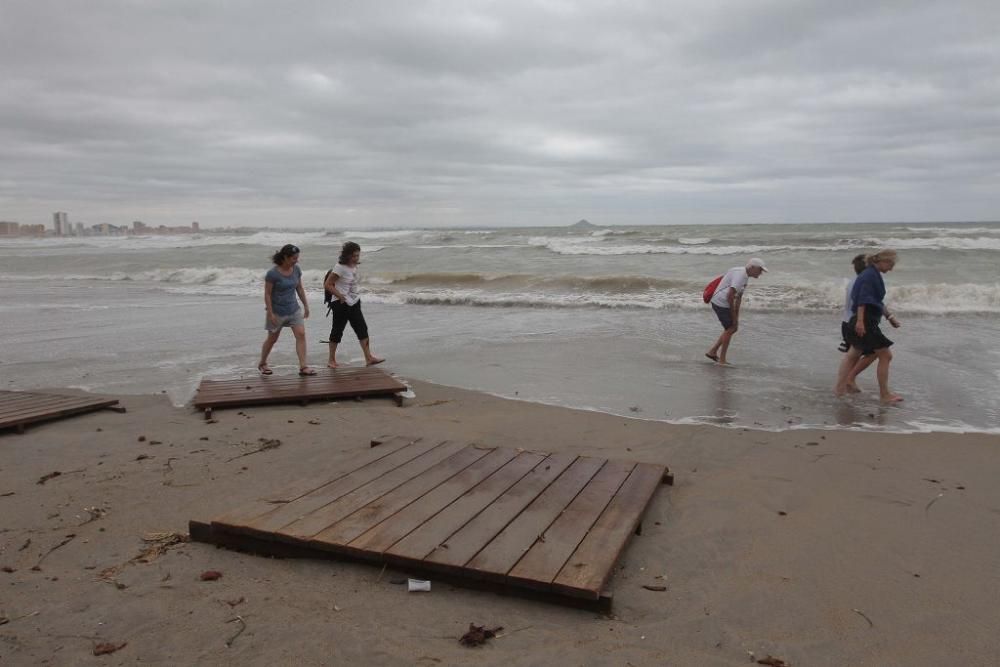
[725,316]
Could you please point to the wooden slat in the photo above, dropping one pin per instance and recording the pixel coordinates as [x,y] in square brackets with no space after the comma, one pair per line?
[328,383]
[384,507]
[380,537]
[21,408]
[51,406]
[443,525]
[543,561]
[263,504]
[549,525]
[587,570]
[280,517]
[458,549]
[327,515]
[498,557]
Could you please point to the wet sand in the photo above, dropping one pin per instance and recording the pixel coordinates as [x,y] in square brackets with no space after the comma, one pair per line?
[816,547]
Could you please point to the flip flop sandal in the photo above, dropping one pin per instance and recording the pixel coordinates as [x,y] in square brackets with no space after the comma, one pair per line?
[264,369]
[304,371]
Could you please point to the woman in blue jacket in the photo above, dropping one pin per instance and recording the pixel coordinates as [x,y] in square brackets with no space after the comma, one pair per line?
[864,334]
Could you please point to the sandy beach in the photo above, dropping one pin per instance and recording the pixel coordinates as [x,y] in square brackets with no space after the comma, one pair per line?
[816,547]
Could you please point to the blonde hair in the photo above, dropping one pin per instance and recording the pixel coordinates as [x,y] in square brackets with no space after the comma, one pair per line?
[882,255]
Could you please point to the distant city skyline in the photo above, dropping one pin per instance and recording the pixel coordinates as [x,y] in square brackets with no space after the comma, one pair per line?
[456,114]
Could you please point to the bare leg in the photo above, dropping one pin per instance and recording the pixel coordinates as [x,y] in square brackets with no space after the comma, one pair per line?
[882,373]
[370,359]
[722,345]
[847,364]
[863,363]
[300,344]
[265,349]
[332,361]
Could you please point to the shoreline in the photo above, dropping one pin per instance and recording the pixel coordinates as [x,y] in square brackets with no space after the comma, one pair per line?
[769,542]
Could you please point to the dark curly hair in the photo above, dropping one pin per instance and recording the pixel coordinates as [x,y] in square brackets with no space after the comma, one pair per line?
[286,251]
[349,249]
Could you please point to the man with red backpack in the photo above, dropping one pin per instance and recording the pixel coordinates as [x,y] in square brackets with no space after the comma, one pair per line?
[726,299]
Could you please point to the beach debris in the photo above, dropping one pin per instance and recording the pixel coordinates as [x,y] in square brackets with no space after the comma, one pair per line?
[204,437]
[771,661]
[158,544]
[45,478]
[142,457]
[93,514]
[238,601]
[243,626]
[8,569]
[431,404]
[865,616]
[210,575]
[478,634]
[933,500]
[398,581]
[418,585]
[314,422]
[4,620]
[782,513]
[27,543]
[932,480]
[104,648]
[66,540]
[654,587]
[155,442]
[263,444]
[8,494]
[141,438]
[634,408]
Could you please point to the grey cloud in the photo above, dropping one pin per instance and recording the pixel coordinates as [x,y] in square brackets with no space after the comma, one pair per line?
[480,113]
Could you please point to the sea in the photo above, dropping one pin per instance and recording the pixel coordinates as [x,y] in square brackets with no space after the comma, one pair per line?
[606,318]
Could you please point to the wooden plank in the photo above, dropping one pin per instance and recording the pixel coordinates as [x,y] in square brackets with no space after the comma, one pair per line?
[263,504]
[443,525]
[300,507]
[543,561]
[53,407]
[330,513]
[466,542]
[497,558]
[14,405]
[380,537]
[587,570]
[276,389]
[384,507]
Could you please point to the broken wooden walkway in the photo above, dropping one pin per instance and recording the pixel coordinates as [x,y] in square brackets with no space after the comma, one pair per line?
[550,524]
[20,408]
[328,383]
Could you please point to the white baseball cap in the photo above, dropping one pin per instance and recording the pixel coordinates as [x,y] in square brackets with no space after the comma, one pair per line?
[757,261]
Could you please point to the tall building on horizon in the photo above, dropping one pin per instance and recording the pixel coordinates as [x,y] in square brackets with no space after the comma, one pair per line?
[60,223]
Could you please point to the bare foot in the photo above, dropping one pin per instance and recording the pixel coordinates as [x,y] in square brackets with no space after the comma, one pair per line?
[712,357]
[374,360]
[891,399]
[853,388]
[332,364]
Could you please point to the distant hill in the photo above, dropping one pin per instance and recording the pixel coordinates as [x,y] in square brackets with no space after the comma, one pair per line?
[583,224]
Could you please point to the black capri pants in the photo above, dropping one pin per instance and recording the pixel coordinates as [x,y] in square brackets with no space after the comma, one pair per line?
[342,314]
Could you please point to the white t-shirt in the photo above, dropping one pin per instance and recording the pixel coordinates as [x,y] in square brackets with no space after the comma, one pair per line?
[736,278]
[347,283]
[846,315]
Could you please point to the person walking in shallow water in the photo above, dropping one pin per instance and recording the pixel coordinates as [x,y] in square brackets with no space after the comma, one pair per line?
[849,365]
[282,283]
[342,284]
[864,333]
[726,302]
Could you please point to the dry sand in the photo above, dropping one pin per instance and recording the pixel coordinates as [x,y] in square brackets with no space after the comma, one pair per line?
[819,548]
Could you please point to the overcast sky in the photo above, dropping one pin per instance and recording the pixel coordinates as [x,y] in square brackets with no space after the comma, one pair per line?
[410,113]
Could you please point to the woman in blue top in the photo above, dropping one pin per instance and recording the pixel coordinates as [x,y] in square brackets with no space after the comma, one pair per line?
[282,284]
[864,333]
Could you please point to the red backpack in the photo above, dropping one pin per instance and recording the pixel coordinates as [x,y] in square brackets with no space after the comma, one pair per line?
[710,289]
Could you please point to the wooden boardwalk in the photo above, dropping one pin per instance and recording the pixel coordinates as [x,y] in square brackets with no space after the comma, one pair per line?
[551,524]
[20,408]
[326,384]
